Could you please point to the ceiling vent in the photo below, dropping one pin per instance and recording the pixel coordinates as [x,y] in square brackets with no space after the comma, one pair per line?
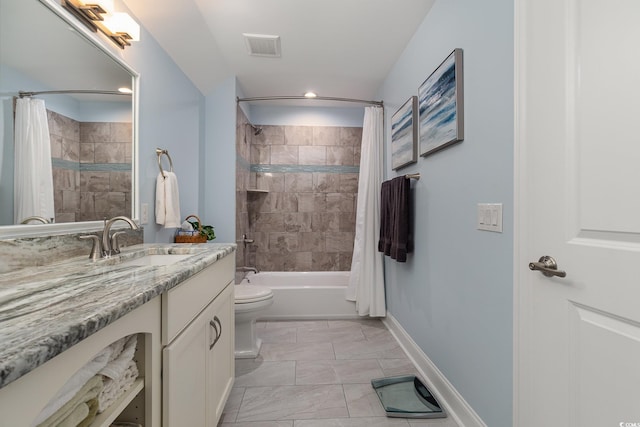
[262,45]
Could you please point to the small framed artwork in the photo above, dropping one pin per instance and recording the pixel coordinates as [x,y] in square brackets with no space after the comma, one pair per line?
[404,134]
[441,106]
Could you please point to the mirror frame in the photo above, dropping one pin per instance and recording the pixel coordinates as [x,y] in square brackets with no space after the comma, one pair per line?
[103,44]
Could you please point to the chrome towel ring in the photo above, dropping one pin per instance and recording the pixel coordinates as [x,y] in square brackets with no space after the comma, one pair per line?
[160,152]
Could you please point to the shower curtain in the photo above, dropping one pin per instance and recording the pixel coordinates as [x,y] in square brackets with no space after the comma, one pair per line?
[366,283]
[33,178]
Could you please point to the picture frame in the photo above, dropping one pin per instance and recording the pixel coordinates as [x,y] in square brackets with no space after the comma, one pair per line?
[441,106]
[404,134]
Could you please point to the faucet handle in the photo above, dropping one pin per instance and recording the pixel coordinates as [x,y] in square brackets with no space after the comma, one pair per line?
[96,250]
[115,244]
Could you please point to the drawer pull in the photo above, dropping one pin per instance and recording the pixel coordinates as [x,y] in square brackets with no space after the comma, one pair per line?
[218,329]
[215,328]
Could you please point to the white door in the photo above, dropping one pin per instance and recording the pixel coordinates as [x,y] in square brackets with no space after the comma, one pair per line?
[577,338]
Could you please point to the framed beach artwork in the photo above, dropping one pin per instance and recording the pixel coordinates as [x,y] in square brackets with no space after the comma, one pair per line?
[404,134]
[441,106]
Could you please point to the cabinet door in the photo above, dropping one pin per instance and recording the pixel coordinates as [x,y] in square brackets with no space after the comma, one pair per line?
[220,358]
[184,382]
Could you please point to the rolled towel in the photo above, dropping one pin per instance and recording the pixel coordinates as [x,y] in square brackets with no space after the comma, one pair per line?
[77,415]
[69,412]
[74,384]
[93,411]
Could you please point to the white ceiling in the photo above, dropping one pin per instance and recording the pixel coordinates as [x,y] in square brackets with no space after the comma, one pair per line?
[337,48]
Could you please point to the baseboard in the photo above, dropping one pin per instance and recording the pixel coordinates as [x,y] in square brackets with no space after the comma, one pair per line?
[456,407]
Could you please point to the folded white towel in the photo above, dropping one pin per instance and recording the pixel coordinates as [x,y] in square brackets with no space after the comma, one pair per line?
[114,388]
[74,384]
[116,367]
[117,348]
[167,200]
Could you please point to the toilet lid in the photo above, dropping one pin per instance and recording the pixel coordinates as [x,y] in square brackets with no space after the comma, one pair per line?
[251,293]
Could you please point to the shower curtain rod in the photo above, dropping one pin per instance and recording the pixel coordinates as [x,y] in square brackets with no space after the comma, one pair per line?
[317,98]
[23,93]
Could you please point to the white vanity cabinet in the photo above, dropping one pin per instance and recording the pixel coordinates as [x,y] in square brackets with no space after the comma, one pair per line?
[185,351]
[198,338]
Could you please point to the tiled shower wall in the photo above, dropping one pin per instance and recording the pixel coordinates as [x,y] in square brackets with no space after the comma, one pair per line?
[91,168]
[306,219]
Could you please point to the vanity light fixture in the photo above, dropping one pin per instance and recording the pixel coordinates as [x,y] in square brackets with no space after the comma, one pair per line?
[310,95]
[122,26]
[99,15]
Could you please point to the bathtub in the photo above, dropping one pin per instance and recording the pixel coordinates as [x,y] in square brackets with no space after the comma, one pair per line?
[305,295]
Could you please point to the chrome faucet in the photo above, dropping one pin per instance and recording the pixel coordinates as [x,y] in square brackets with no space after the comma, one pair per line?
[246,269]
[110,244]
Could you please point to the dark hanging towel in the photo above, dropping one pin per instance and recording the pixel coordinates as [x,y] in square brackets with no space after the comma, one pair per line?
[394,218]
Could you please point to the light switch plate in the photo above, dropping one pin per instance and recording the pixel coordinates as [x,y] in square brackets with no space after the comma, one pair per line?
[490,217]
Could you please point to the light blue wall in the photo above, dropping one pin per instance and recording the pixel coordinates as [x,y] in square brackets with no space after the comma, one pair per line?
[219,203]
[454,295]
[170,114]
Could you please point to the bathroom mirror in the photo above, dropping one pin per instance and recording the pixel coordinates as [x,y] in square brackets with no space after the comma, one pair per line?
[93,136]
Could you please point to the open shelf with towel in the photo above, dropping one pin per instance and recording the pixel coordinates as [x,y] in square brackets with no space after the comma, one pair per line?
[106,418]
[21,401]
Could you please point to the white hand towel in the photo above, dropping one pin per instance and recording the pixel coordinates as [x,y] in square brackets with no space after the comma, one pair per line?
[167,200]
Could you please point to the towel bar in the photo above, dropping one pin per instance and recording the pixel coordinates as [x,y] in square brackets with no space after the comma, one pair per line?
[412,176]
[160,152]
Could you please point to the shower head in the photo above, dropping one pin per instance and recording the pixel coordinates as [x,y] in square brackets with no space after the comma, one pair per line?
[256,130]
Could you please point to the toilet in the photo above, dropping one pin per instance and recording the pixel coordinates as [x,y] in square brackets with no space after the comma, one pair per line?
[250,300]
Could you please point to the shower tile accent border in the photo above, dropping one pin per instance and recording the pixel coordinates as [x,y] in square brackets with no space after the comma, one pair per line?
[102,167]
[338,169]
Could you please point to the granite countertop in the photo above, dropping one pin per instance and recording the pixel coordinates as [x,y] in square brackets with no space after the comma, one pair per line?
[46,310]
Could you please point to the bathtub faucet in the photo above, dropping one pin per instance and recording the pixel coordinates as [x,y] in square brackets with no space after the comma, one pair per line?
[255,270]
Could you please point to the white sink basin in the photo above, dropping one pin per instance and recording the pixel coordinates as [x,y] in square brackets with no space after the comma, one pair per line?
[156,259]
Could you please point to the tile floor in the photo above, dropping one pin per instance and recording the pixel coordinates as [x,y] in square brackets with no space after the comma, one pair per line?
[317,374]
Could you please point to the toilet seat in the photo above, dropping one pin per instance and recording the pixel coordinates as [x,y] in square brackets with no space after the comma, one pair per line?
[245,294]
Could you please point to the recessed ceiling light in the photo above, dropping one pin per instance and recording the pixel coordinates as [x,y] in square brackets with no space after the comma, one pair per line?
[124,90]
[310,95]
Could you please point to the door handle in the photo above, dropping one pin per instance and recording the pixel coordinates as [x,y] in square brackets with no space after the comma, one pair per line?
[215,323]
[547,266]
[215,327]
